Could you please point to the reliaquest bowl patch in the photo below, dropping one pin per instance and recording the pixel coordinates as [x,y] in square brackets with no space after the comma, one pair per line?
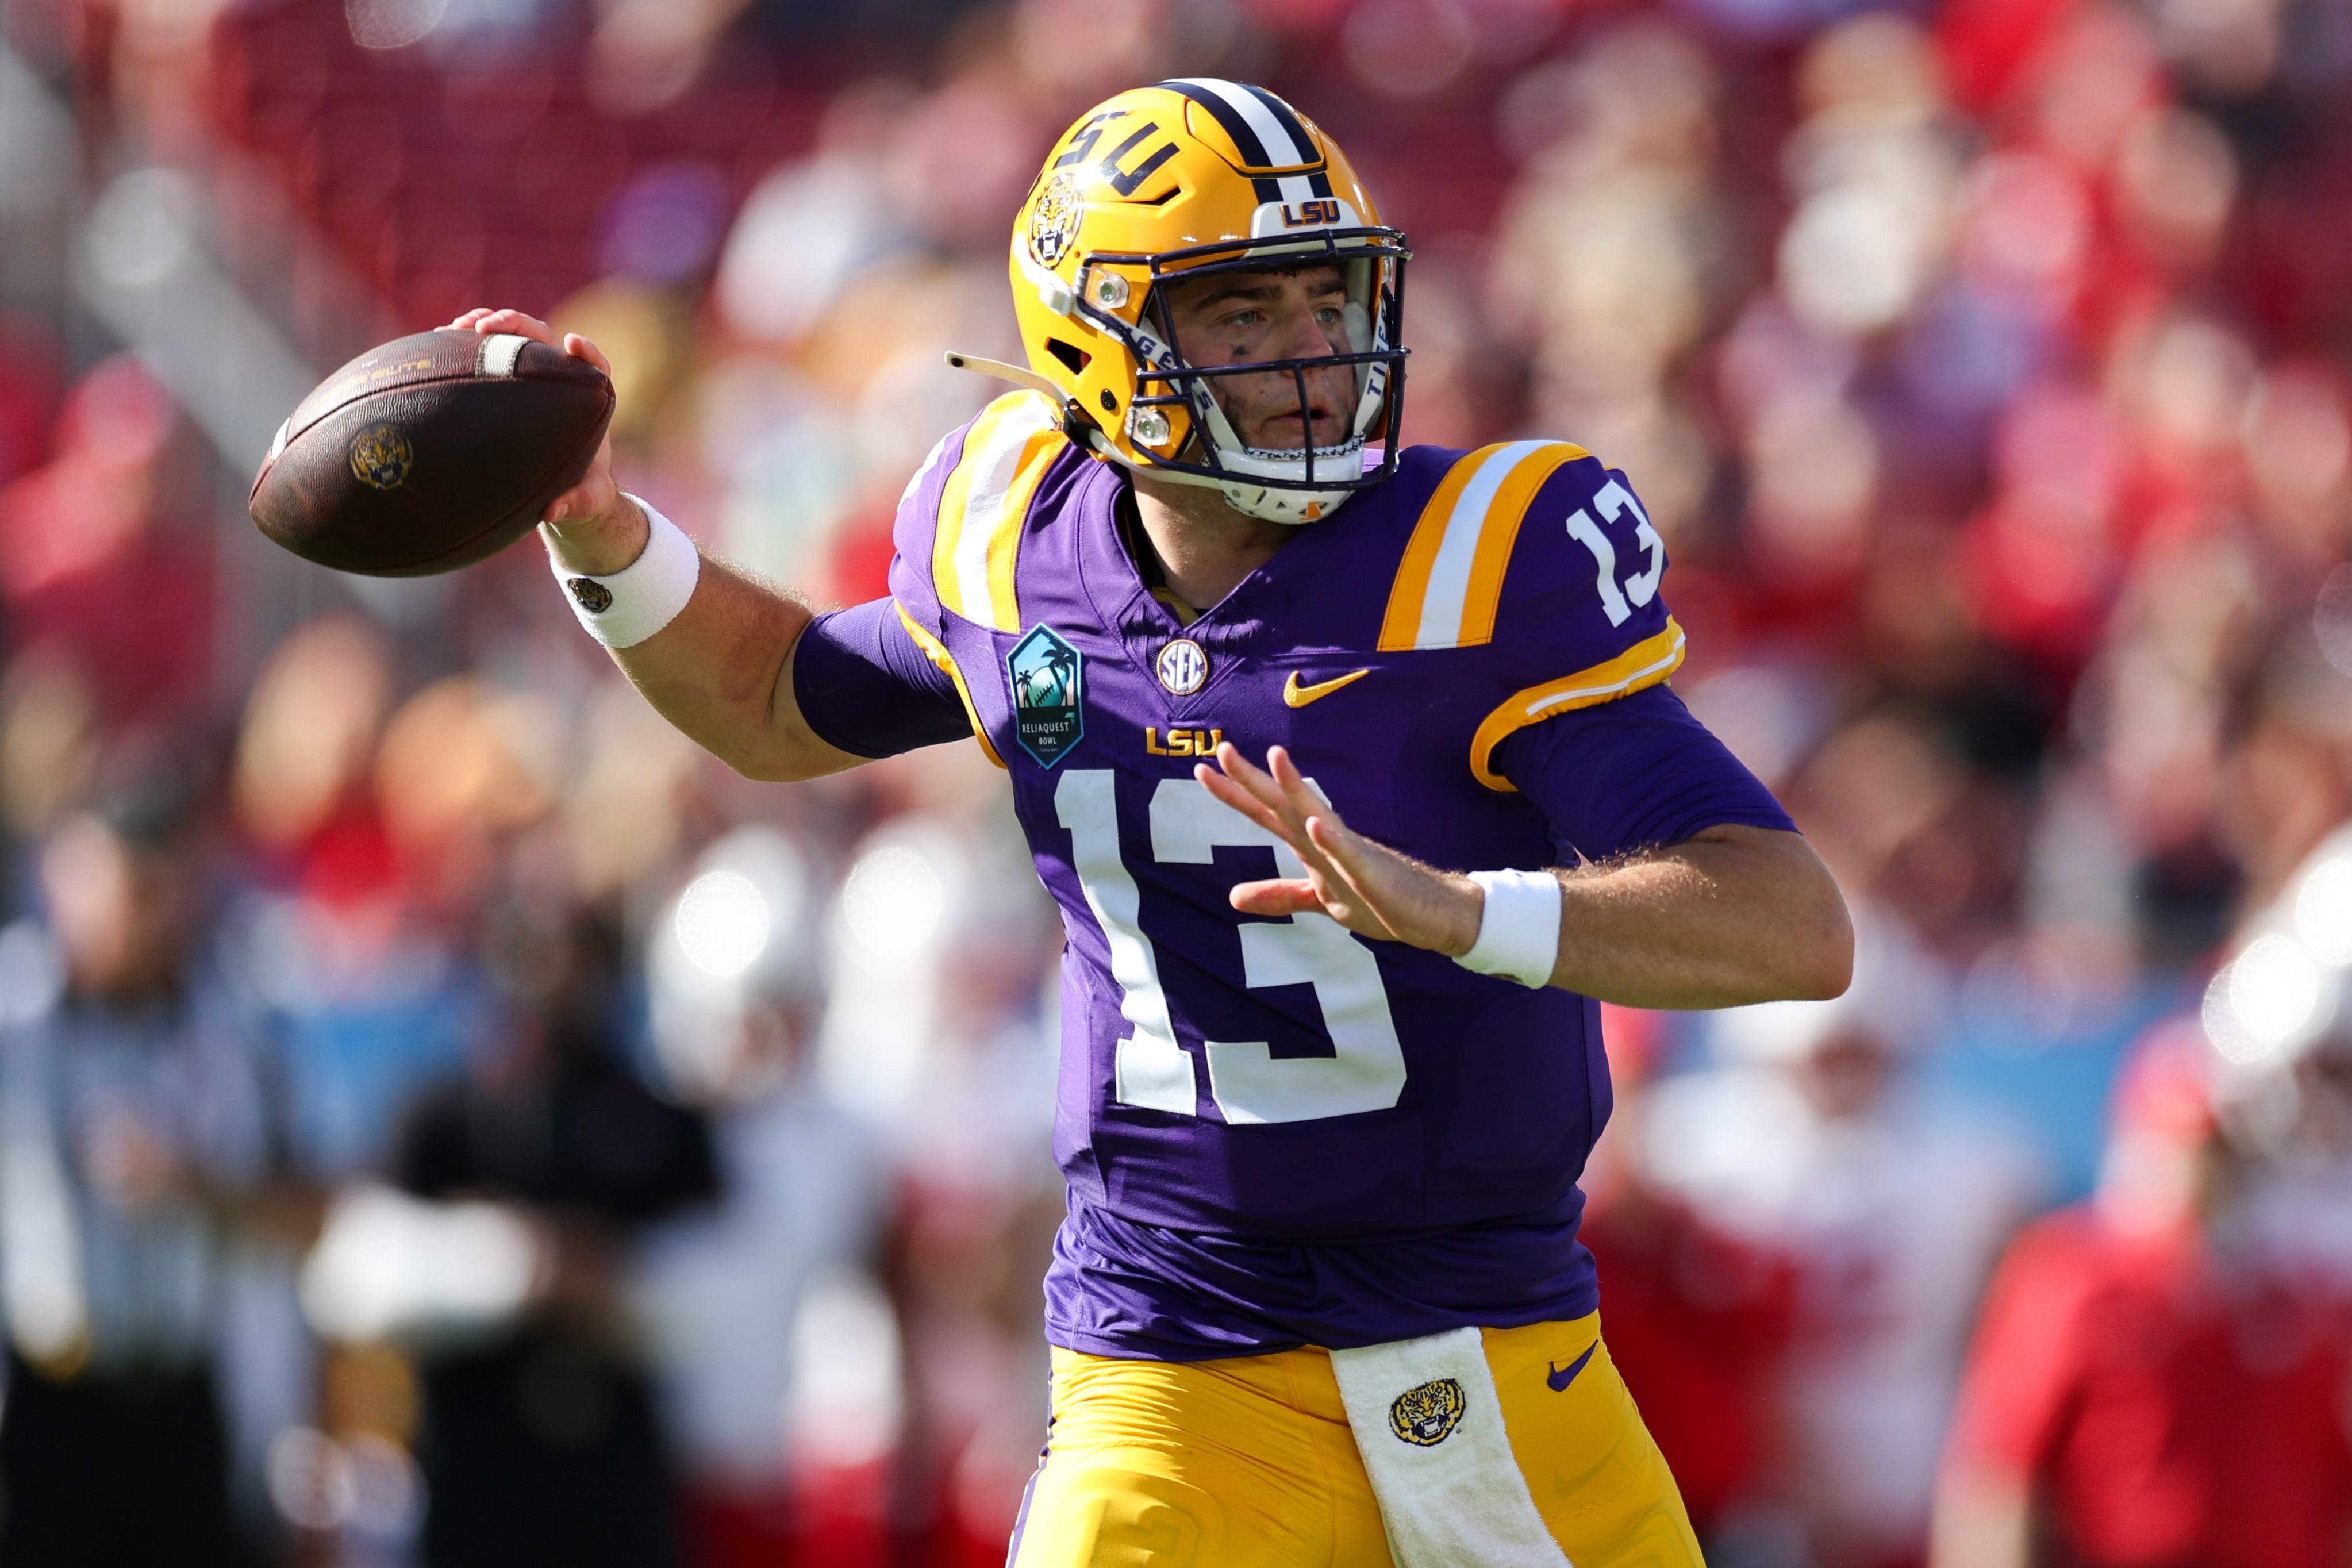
[1047,692]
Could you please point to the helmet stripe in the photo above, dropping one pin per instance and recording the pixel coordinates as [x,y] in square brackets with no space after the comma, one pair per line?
[1245,137]
[1286,118]
[1264,140]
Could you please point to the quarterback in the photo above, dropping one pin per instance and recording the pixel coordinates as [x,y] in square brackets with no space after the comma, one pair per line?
[1354,772]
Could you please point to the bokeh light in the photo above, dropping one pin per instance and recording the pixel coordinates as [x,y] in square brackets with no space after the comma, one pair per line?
[722,923]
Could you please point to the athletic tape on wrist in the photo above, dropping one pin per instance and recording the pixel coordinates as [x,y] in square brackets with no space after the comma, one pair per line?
[1518,931]
[633,604]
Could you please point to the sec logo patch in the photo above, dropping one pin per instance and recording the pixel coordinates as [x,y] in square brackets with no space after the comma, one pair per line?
[1182,667]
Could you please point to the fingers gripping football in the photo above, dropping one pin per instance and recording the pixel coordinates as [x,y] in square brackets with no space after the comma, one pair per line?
[1364,885]
[599,534]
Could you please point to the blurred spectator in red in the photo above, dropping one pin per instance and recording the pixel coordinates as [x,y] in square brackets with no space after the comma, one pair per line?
[1698,1319]
[29,392]
[2137,1397]
[357,828]
[134,1141]
[104,553]
[1890,1206]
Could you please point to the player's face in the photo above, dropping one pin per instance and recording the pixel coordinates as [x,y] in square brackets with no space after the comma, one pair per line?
[1241,317]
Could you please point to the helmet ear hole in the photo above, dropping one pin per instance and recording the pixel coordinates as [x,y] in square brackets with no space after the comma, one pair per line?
[1070,355]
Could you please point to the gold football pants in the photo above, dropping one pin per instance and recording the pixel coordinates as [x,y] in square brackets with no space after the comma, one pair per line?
[1249,1462]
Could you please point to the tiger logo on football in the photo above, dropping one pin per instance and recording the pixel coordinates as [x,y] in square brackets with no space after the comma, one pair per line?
[380,457]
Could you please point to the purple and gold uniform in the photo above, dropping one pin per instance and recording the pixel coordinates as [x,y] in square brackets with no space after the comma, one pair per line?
[1304,1168]
[1275,1132]
[1281,1139]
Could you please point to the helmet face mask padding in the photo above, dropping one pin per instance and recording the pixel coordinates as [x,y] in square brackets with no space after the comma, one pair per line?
[1155,187]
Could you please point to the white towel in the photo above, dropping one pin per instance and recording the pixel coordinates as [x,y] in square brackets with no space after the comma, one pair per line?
[1430,1427]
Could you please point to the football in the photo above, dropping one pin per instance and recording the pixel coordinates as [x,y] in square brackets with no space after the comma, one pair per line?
[430,452]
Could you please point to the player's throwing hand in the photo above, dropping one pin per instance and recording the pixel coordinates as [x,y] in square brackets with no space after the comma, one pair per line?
[1364,885]
[599,533]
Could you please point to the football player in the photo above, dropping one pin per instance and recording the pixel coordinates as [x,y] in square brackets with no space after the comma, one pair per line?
[1354,772]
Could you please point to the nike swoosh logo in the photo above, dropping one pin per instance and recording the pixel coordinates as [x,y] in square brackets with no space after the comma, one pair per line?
[1559,1377]
[1299,696]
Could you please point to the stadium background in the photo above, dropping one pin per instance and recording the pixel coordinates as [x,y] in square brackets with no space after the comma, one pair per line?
[1984,367]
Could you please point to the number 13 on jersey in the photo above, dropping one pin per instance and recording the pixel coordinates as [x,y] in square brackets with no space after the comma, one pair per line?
[1365,1070]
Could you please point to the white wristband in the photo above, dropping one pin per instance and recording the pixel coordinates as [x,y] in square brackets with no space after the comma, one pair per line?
[1518,930]
[633,604]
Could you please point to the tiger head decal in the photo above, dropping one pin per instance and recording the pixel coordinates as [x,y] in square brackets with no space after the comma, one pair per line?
[380,457]
[1426,1416]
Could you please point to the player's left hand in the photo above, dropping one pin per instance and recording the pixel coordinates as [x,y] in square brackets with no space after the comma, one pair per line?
[1364,885]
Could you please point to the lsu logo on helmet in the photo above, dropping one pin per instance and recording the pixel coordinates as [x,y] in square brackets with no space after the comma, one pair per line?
[1053,220]
[1180,180]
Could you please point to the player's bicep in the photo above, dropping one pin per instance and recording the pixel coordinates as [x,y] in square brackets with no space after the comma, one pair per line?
[863,686]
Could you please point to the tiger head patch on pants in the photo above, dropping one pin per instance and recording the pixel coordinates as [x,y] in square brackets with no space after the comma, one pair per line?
[1425,1415]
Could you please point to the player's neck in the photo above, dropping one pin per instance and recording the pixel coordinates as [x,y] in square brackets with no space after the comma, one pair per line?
[1204,546]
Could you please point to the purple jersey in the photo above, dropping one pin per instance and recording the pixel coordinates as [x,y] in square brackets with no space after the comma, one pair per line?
[1234,1089]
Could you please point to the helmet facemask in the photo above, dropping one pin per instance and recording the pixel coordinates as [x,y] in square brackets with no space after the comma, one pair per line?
[1290,485]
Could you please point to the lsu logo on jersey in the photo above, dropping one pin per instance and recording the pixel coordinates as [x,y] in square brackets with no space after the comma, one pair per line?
[1425,1416]
[1182,742]
[1049,678]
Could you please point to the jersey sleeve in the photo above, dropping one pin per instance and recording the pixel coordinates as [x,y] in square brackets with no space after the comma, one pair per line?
[1542,557]
[864,685]
[1615,776]
[957,535]
[956,544]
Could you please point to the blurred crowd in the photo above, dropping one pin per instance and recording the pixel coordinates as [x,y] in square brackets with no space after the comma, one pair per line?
[447,1119]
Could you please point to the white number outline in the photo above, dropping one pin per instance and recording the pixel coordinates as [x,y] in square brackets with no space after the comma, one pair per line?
[1366,1071]
[1614,500]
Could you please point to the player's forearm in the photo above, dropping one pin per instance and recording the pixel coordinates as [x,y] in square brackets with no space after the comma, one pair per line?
[721,669]
[1735,916]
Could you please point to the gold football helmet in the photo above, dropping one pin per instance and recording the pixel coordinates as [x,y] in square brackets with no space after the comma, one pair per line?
[1181,179]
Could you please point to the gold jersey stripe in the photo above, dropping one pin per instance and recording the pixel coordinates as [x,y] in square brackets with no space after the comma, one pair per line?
[1450,582]
[937,652]
[1646,664]
[1005,454]
[1037,455]
[1402,621]
[1516,493]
